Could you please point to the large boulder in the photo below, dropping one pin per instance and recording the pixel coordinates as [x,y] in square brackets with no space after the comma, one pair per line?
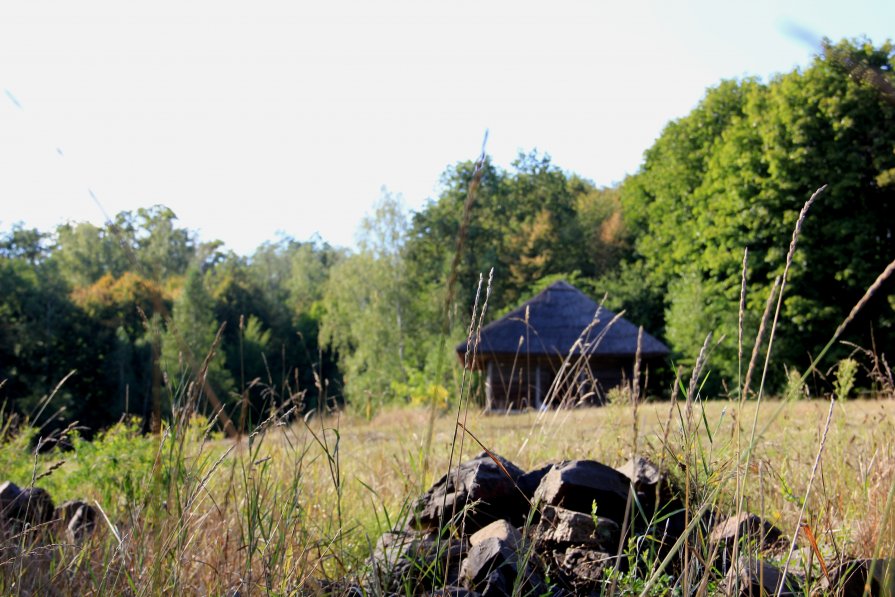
[482,486]
[578,484]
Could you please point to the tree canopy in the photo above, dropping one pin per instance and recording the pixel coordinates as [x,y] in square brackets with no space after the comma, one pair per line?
[735,173]
[123,312]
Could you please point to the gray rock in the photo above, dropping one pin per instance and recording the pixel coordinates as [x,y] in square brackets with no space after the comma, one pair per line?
[478,483]
[501,529]
[850,578]
[493,568]
[577,484]
[642,473]
[659,512]
[8,493]
[561,527]
[32,505]
[488,556]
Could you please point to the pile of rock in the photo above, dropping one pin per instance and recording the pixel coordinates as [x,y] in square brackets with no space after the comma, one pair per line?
[490,528]
[32,508]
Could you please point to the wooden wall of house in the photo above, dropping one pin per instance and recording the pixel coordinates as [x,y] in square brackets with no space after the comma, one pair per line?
[520,383]
[510,385]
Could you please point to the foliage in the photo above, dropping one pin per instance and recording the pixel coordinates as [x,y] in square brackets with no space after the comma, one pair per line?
[189,346]
[368,316]
[845,378]
[735,173]
[92,301]
[529,223]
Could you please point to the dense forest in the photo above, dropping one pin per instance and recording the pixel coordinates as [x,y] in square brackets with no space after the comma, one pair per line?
[122,318]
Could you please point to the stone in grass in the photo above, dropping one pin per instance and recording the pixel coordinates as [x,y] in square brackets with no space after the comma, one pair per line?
[492,567]
[658,511]
[852,577]
[32,505]
[416,559]
[577,484]
[753,530]
[757,577]
[77,518]
[479,483]
[652,486]
[561,527]
[9,491]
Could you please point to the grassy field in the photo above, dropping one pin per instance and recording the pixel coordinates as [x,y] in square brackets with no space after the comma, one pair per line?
[191,512]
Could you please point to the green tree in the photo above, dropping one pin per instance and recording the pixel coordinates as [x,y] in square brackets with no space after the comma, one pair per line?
[44,336]
[528,223]
[735,172]
[189,342]
[369,314]
[162,249]
[86,253]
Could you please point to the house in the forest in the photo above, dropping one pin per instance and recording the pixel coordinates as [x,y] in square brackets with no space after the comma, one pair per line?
[559,348]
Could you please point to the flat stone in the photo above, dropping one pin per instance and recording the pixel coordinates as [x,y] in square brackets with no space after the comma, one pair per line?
[577,484]
[501,529]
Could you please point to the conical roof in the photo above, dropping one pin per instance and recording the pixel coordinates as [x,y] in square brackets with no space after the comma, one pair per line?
[554,321]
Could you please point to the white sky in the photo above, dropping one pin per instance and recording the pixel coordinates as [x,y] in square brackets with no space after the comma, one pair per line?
[257,117]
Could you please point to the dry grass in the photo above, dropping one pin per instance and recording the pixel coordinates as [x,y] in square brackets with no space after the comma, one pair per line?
[284,510]
[292,506]
[857,467]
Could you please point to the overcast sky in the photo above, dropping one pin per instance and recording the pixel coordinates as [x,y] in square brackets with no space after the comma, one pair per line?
[255,119]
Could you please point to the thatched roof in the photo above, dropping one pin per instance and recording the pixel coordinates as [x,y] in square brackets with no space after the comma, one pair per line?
[557,318]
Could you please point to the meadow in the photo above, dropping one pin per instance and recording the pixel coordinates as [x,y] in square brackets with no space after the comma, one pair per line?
[296,507]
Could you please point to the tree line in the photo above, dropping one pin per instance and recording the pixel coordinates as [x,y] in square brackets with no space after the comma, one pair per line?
[129,313]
